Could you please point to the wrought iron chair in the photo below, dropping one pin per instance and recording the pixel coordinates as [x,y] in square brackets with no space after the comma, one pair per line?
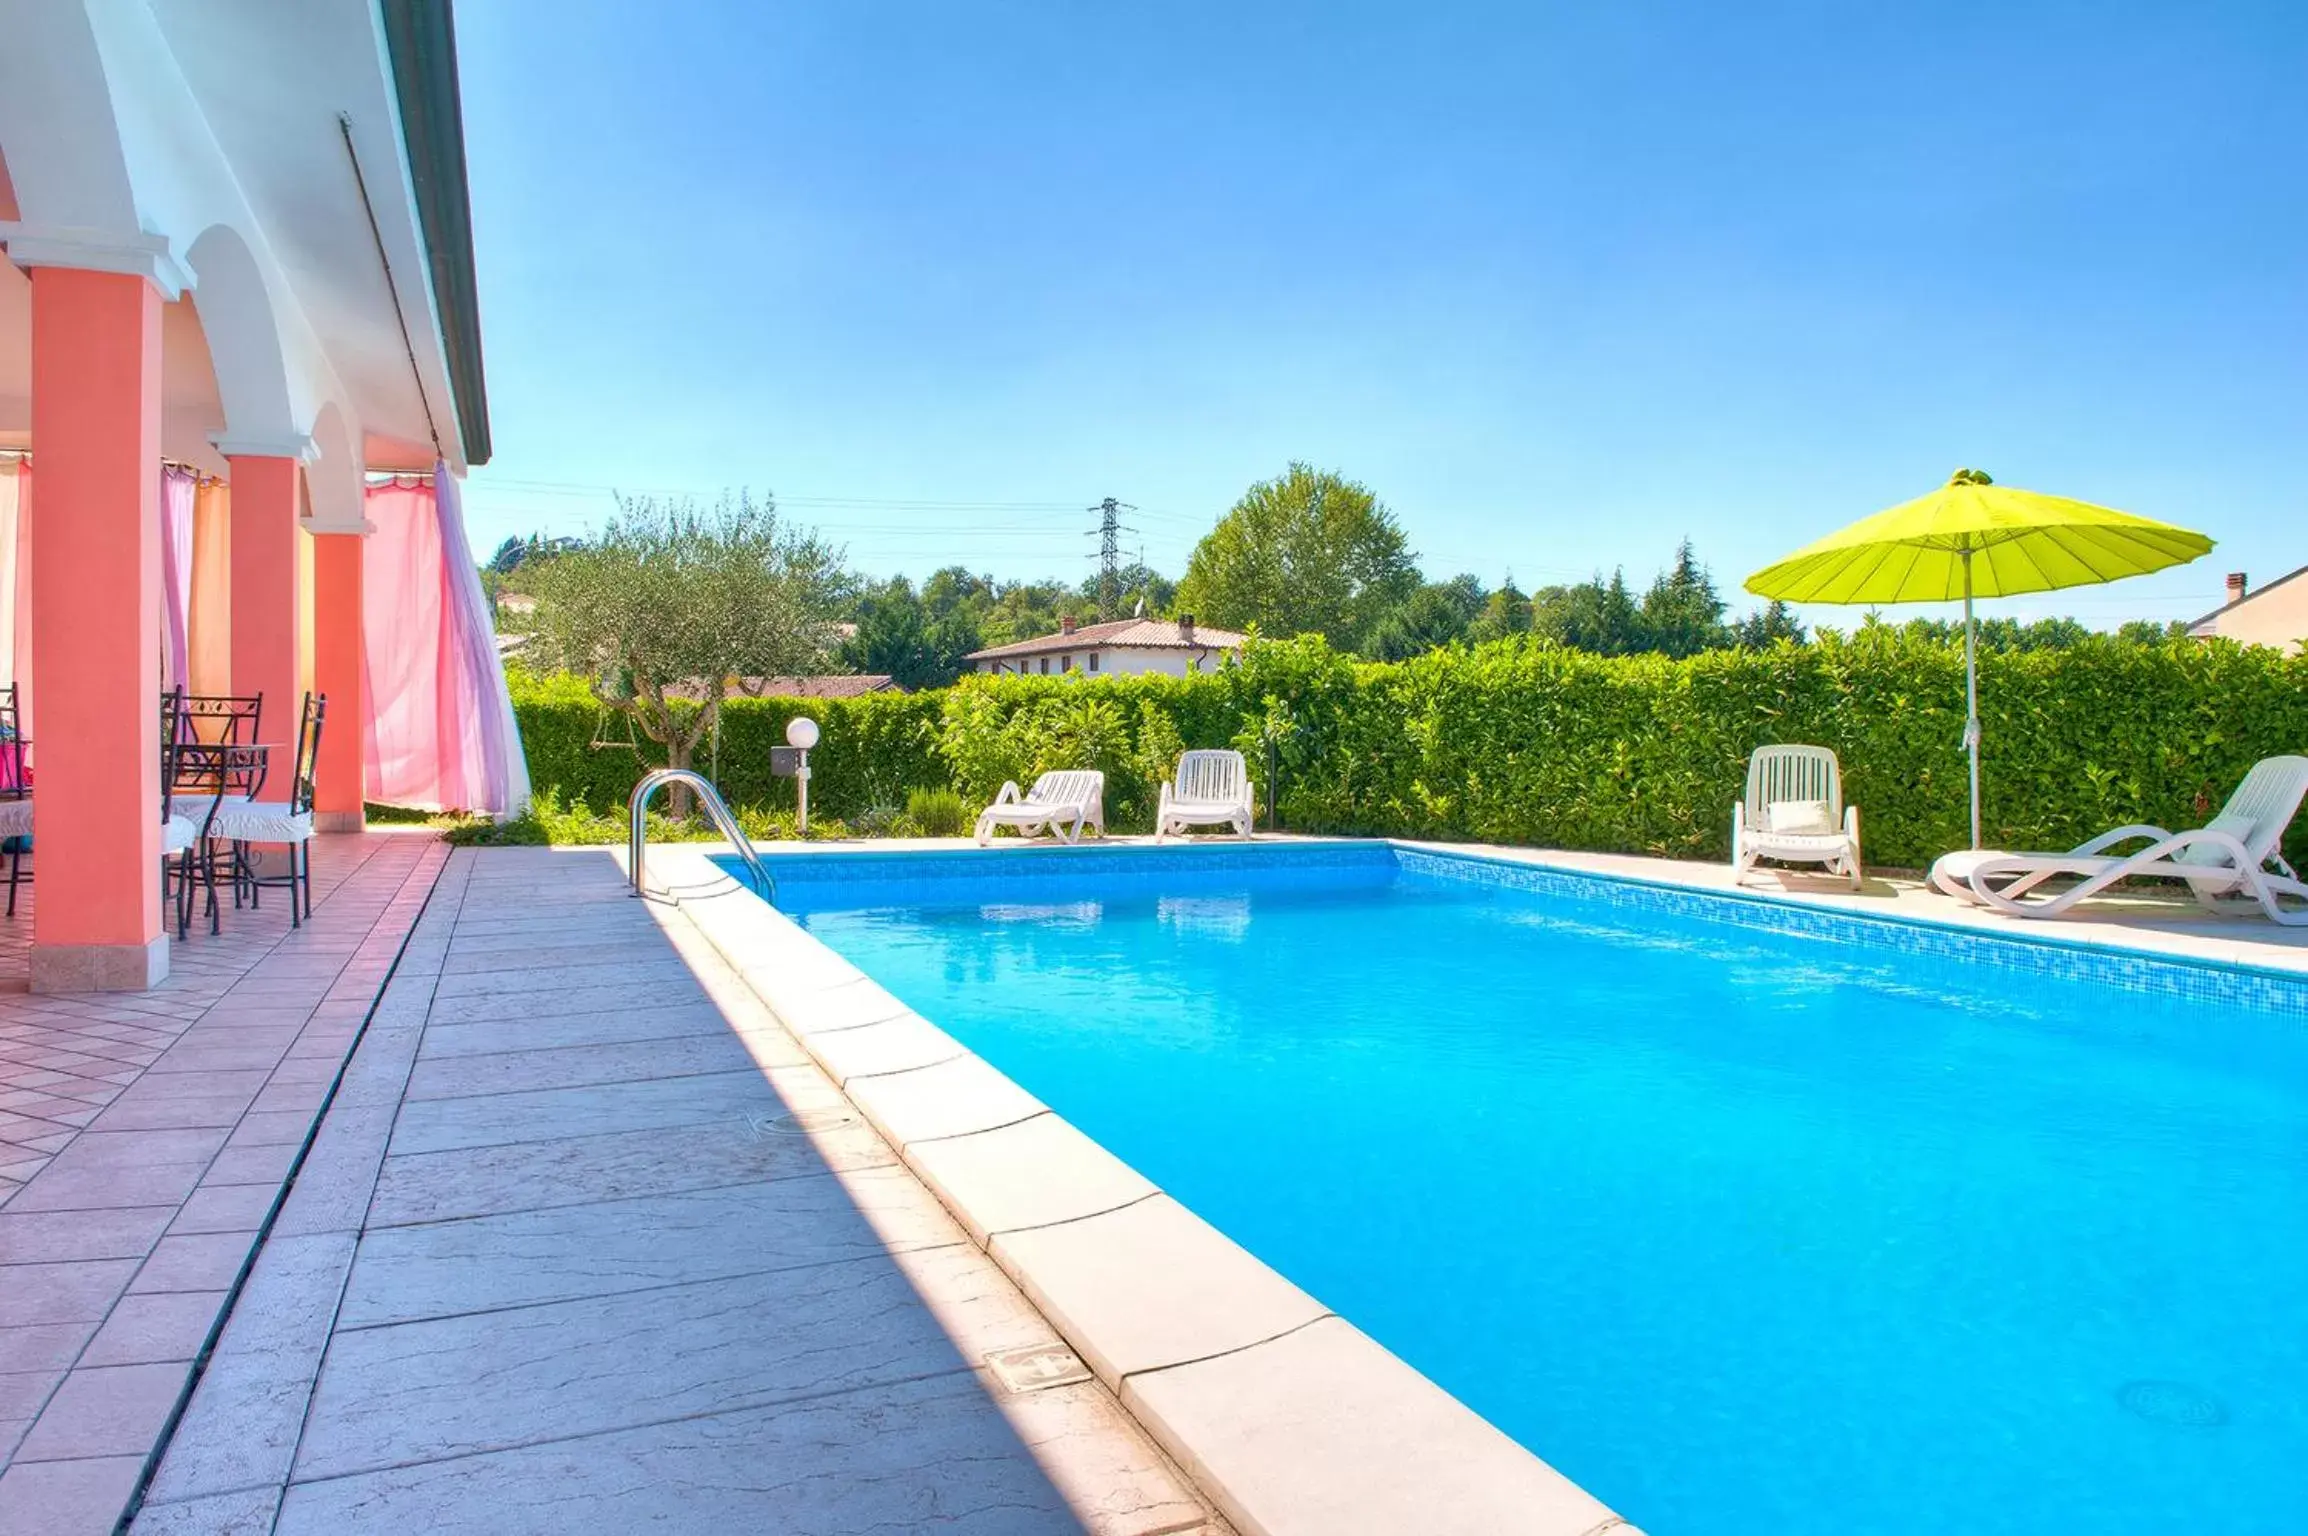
[195,778]
[247,820]
[227,718]
[15,792]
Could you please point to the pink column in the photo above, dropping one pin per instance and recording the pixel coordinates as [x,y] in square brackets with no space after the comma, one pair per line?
[340,675]
[267,600]
[96,630]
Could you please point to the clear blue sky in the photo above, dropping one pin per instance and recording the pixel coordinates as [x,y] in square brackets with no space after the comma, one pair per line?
[1562,284]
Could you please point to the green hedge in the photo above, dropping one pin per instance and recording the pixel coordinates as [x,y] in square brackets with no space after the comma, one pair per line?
[1521,742]
[876,748]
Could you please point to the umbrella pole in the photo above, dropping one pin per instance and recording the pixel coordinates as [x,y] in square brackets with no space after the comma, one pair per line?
[1971,696]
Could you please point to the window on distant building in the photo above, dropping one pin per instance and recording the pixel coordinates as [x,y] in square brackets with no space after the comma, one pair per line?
[1045,664]
[1093,661]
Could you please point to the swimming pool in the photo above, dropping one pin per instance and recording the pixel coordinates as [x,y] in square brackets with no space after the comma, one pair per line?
[1744,1216]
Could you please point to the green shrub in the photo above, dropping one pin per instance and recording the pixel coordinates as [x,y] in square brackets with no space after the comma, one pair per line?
[549,819]
[874,750]
[881,821]
[939,812]
[1524,742]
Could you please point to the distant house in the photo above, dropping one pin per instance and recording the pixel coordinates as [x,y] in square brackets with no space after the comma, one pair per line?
[1120,648]
[2275,613]
[831,685]
[828,685]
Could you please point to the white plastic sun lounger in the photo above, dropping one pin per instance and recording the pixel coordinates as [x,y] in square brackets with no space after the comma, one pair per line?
[1211,789]
[1061,803]
[1794,812]
[2231,862]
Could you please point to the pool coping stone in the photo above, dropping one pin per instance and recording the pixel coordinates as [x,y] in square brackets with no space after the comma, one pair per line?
[1292,1421]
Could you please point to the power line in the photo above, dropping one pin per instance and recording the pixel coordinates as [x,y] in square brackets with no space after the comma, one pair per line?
[1109,533]
[484,484]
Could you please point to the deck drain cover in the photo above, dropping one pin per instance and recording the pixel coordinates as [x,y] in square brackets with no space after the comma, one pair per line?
[1037,1367]
[799,1122]
[2172,1402]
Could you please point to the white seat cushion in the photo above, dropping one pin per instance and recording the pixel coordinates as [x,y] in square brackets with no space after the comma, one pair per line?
[1800,818]
[178,833]
[2236,824]
[261,821]
[16,818]
[1954,869]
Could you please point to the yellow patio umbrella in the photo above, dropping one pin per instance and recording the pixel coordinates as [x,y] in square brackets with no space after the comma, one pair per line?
[1974,538]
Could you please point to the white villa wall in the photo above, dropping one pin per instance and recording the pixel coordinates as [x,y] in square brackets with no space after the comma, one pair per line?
[1126,661]
[1114,661]
[2275,615]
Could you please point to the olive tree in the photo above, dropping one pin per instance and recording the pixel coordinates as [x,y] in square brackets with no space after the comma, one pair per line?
[676,602]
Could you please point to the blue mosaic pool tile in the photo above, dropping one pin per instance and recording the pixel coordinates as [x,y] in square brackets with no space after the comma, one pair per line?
[1048,859]
[807,881]
[2196,981]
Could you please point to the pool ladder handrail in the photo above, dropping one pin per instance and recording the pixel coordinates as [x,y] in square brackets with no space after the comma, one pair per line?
[636,840]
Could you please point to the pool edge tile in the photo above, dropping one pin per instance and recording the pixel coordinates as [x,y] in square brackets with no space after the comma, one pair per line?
[1325,1432]
[1365,1421]
[966,1096]
[1151,1285]
[1037,1172]
[907,1043]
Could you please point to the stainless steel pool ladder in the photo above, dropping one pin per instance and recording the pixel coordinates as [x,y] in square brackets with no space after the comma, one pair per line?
[636,841]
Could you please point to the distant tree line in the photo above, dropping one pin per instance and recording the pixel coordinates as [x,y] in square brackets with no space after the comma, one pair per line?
[920,638]
[1308,552]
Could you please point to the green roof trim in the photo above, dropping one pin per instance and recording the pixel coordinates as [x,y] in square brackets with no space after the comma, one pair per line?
[421,36]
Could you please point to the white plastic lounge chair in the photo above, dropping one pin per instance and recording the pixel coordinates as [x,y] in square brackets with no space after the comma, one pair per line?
[1794,811]
[2231,861]
[1061,803]
[1211,789]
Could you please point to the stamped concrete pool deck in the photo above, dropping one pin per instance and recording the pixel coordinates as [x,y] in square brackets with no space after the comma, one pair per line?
[589,1243]
[590,1238]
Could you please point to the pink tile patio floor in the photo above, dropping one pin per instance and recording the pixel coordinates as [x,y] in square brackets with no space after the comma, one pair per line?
[145,1140]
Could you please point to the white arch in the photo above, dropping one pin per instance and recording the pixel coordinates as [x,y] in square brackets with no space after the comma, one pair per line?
[335,475]
[65,155]
[244,343]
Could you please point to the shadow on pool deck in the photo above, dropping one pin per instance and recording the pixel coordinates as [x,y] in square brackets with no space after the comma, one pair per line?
[145,1142]
[587,1243]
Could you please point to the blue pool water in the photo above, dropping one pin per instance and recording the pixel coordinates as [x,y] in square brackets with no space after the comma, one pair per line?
[1743,1230]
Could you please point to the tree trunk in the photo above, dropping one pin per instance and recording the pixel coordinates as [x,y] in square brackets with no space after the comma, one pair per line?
[681,751]
[681,804]
[661,725]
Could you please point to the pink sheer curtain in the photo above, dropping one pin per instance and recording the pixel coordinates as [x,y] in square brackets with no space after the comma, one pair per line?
[176,492]
[440,733]
[20,605]
[9,574]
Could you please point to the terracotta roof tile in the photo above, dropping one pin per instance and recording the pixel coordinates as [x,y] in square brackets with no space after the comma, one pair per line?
[837,685]
[1141,634]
